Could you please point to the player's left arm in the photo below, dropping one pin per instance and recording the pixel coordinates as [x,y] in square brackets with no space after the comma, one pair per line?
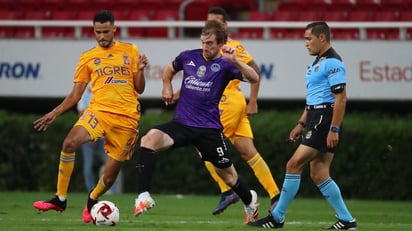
[337,118]
[139,79]
[252,106]
[337,78]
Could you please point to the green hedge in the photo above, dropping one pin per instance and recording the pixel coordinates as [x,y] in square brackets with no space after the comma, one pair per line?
[372,160]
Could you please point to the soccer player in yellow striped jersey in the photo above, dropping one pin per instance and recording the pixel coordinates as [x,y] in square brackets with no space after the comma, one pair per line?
[236,125]
[115,72]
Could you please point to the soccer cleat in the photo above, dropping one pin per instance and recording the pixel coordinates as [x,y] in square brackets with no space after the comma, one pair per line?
[251,210]
[52,204]
[348,225]
[87,218]
[267,222]
[143,203]
[227,198]
[87,208]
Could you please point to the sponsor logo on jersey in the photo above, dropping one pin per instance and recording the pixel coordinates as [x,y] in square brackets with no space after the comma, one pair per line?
[201,71]
[333,71]
[191,63]
[97,61]
[223,160]
[316,68]
[126,59]
[215,67]
[111,80]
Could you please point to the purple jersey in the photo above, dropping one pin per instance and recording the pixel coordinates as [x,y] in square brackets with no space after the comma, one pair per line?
[202,87]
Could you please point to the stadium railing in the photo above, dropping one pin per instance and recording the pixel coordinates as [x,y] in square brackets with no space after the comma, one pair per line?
[176,28]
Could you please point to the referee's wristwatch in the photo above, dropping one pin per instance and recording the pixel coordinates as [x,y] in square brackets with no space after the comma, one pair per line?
[334,129]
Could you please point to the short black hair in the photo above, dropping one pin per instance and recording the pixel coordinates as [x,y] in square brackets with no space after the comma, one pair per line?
[318,28]
[220,11]
[103,16]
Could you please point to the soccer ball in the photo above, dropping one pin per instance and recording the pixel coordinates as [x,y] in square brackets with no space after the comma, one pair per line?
[105,213]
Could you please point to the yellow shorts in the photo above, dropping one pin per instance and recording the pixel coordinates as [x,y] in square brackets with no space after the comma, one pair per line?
[233,116]
[120,132]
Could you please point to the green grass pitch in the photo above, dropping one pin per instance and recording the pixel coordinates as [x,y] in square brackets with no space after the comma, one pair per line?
[193,212]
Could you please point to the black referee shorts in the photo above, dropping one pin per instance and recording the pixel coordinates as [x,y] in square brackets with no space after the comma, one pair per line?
[318,122]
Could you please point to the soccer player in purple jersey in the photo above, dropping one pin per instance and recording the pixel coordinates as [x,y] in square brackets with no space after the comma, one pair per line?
[206,73]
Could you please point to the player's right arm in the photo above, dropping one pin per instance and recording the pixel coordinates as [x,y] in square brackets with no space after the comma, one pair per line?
[298,129]
[72,99]
[167,91]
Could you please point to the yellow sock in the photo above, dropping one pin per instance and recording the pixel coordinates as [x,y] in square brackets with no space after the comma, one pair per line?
[99,190]
[263,174]
[66,166]
[222,185]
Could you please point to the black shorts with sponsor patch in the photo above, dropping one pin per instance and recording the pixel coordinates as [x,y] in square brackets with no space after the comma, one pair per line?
[209,141]
[318,122]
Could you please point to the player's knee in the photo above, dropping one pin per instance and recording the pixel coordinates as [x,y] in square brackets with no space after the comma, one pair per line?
[149,139]
[70,145]
[229,176]
[247,155]
[109,180]
[144,140]
[230,180]
[318,177]
[293,167]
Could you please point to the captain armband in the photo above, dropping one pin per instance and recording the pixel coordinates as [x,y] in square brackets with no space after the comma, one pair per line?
[336,89]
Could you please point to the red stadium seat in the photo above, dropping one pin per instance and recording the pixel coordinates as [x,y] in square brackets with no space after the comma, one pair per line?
[86,14]
[37,14]
[310,15]
[335,16]
[7,32]
[361,15]
[343,3]
[290,6]
[162,15]
[139,15]
[254,33]
[278,33]
[367,3]
[30,3]
[65,15]
[284,33]
[294,34]
[24,32]
[406,16]
[387,15]
[120,14]
[6,14]
[302,5]
[75,4]
[285,15]
[166,15]
[241,35]
[58,32]
[409,33]
[257,15]
[87,32]
[382,34]
[345,34]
